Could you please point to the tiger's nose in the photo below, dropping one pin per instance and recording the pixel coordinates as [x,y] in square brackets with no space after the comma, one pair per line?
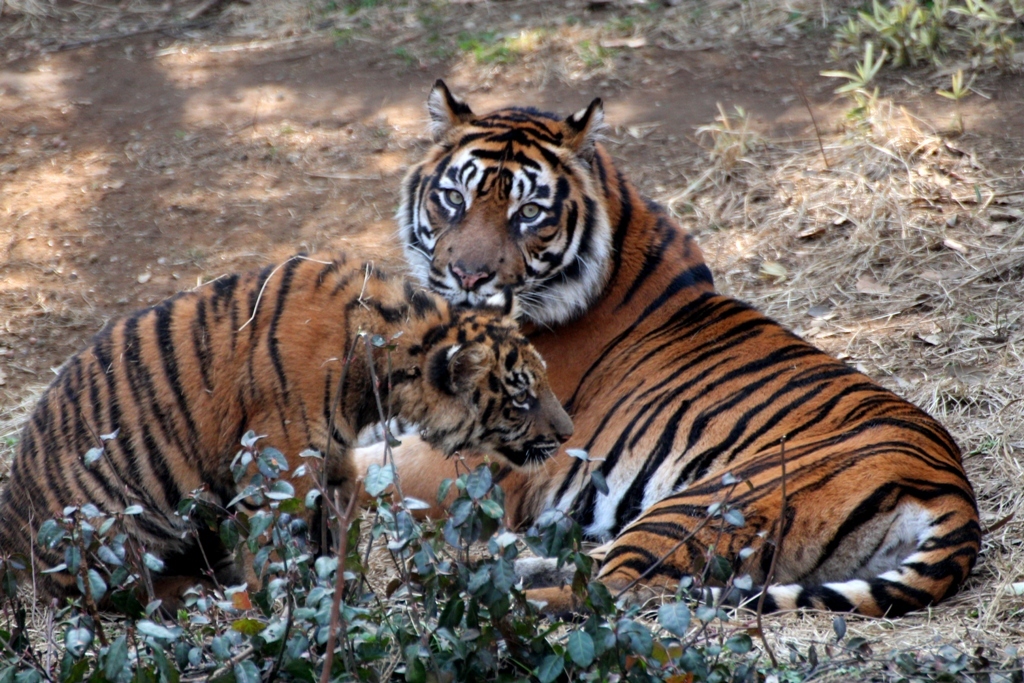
[469,280]
[563,426]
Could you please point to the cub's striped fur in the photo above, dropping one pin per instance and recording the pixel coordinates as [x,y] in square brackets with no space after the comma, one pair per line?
[672,385]
[182,381]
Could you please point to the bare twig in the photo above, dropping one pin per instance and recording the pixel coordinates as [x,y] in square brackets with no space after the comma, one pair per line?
[242,655]
[339,588]
[799,87]
[108,37]
[775,555]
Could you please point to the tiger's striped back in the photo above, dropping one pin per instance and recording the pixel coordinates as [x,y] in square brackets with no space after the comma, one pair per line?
[671,385]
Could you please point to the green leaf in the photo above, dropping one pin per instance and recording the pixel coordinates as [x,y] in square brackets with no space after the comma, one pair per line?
[108,556]
[740,643]
[276,457]
[117,657]
[91,511]
[168,674]
[248,627]
[599,482]
[49,534]
[153,562]
[133,510]
[734,517]
[600,597]
[578,453]
[249,439]
[155,630]
[311,498]
[550,669]
[721,569]
[460,511]
[839,626]
[378,478]
[443,489]
[491,509]
[281,490]
[77,640]
[503,574]
[479,482]
[581,648]
[92,456]
[246,672]
[229,533]
[415,503]
[97,586]
[275,631]
[259,522]
[840,74]
[416,672]
[674,617]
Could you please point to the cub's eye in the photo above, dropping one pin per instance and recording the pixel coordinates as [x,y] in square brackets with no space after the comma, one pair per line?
[529,211]
[521,401]
[454,197]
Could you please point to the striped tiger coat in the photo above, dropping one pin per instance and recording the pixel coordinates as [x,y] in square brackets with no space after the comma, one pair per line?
[673,385]
[179,383]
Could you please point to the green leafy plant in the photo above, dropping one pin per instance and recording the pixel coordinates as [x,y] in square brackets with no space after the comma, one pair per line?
[914,32]
[859,79]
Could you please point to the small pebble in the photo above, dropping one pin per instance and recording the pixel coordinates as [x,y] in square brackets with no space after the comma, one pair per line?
[144,278]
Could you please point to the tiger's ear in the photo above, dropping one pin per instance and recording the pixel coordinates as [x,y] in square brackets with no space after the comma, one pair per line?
[583,129]
[446,112]
[457,369]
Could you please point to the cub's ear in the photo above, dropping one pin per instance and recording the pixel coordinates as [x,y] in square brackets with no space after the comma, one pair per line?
[583,129]
[457,369]
[446,112]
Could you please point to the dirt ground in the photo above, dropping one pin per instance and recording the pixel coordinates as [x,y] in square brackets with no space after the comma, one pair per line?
[133,167]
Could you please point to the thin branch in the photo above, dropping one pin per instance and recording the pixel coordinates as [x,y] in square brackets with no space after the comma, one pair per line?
[775,555]
[108,37]
[799,87]
[339,588]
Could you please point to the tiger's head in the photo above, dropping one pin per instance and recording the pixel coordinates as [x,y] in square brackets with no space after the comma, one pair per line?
[508,201]
[485,389]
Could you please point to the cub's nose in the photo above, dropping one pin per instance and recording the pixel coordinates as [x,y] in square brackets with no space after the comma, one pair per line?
[563,427]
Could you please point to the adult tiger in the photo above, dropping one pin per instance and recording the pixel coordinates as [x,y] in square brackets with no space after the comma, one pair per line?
[180,382]
[673,385]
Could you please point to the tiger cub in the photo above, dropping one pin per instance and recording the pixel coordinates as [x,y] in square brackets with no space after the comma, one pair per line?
[182,381]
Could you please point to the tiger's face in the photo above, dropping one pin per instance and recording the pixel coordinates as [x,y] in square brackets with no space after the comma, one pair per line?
[487,391]
[507,202]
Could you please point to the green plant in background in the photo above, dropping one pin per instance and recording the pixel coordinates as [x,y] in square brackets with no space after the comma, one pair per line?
[914,32]
[910,32]
[957,91]
[731,137]
[859,79]
[486,47]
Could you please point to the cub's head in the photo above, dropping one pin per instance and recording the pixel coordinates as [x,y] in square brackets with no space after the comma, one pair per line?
[485,389]
[509,199]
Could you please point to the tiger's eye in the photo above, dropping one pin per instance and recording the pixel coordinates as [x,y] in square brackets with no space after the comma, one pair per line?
[529,211]
[454,197]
